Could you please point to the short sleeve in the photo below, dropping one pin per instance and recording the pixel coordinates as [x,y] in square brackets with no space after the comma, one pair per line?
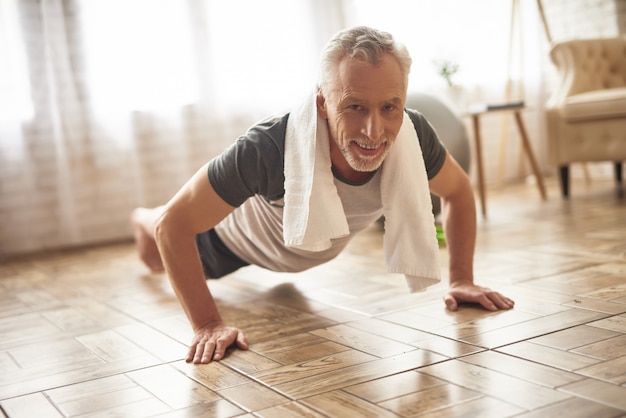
[252,165]
[433,150]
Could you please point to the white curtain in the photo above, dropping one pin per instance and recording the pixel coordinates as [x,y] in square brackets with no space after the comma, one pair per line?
[110,104]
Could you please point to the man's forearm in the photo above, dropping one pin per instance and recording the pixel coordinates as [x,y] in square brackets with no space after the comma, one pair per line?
[459,217]
[182,263]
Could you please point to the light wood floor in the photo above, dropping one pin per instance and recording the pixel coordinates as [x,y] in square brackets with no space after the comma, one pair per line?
[88,332]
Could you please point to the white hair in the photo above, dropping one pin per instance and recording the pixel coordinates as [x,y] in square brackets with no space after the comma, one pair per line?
[363,43]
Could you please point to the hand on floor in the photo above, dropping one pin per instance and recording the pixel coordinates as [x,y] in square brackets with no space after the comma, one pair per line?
[211,341]
[487,298]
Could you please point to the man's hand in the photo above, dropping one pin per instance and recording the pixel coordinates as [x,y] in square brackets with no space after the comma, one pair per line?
[211,341]
[489,299]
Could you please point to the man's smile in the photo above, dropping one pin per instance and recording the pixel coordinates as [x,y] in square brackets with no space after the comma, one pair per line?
[368,146]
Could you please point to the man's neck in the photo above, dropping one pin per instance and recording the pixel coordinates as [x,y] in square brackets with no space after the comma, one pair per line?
[355,178]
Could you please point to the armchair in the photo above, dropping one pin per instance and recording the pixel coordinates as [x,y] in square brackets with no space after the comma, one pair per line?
[586,115]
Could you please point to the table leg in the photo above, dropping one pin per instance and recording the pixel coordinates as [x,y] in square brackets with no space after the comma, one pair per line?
[529,153]
[479,161]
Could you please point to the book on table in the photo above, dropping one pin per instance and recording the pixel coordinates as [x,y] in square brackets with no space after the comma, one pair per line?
[488,107]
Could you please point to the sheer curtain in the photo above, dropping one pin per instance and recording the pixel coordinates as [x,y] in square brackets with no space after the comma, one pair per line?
[110,104]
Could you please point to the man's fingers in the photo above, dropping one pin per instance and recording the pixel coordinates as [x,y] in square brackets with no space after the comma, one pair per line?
[451,303]
[488,299]
[200,352]
[487,303]
[191,353]
[220,349]
[207,353]
[502,302]
[242,342]
[494,301]
[210,344]
[194,354]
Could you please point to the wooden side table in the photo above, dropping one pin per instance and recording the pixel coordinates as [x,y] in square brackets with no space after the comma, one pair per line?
[516,109]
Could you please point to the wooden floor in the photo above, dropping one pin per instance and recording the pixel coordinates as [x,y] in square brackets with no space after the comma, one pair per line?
[89,333]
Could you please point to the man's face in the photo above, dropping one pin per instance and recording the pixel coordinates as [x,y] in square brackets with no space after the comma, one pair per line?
[364,106]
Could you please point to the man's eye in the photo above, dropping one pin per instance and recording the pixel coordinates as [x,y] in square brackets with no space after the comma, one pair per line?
[355,107]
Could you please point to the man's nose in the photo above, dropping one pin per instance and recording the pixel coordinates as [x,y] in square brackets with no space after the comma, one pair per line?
[373,127]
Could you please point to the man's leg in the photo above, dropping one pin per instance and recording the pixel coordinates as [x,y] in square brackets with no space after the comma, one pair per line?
[143,221]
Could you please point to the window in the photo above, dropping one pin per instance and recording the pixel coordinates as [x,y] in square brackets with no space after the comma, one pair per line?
[15,97]
[138,54]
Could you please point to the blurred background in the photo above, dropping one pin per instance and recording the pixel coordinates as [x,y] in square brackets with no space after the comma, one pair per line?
[106,105]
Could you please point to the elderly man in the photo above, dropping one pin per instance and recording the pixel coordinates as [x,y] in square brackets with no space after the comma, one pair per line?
[245,207]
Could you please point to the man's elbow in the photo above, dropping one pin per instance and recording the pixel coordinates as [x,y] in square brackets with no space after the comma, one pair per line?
[161,228]
[458,188]
[168,228]
[462,195]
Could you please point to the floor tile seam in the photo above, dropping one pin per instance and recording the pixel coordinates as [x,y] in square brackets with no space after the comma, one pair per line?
[268,386]
[484,394]
[597,400]
[556,388]
[576,371]
[524,359]
[543,317]
[553,332]
[43,393]
[99,377]
[561,272]
[342,389]
[394,339]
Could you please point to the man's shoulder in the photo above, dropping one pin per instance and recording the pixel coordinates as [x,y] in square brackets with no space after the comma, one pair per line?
[418,119]
[272,128]
[253,164]
[264,140]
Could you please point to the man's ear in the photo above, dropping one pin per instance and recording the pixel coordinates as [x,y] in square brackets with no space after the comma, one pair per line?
[321,104]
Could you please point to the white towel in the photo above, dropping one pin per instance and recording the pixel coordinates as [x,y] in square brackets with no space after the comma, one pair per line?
[313,213]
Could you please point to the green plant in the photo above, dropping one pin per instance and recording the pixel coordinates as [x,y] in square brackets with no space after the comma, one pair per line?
[446,69]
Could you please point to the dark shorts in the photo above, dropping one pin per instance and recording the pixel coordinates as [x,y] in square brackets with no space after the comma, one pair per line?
[217,259]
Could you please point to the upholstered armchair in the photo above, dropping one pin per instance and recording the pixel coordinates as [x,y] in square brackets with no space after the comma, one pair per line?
[586,115]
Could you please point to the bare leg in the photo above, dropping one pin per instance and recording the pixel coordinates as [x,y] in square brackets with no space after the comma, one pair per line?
[143,221]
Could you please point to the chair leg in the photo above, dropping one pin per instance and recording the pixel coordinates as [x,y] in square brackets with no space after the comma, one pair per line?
[618,172]
[564,179]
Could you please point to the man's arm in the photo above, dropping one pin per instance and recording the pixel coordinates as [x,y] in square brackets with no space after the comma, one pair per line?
[194,209]
[458,210]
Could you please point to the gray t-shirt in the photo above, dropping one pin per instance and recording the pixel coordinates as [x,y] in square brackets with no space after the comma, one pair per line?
[249,175]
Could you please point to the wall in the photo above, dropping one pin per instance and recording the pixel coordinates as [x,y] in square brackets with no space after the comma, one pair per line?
[584,18]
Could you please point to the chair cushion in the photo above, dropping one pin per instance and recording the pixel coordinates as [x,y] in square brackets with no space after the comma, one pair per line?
[599,104]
